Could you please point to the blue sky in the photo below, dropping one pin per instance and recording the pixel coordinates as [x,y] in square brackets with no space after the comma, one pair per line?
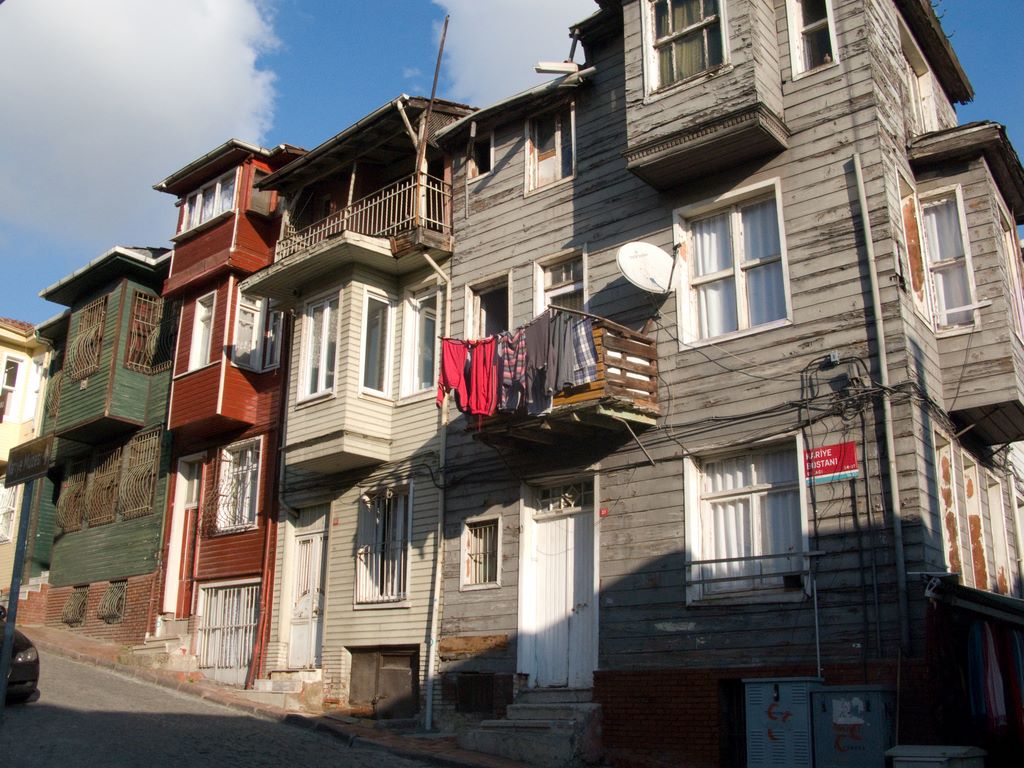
[93,120]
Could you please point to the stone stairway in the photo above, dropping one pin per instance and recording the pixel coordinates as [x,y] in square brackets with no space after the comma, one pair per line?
[299,690]
[547,727]
[168,648]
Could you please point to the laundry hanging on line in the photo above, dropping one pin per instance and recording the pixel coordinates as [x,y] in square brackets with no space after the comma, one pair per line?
[521,369]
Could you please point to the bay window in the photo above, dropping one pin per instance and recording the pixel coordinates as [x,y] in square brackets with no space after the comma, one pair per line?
[320,346]
[209,202]
[420,343]
[257,344]
[376,360]
[949,259]
[686,38]
[812,35]
[202,331]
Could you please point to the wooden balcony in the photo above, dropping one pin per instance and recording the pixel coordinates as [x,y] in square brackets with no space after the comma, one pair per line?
[386,230]
[623,398]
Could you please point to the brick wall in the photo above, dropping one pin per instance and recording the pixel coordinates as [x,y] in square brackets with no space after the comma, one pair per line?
[133,625]
[668,717]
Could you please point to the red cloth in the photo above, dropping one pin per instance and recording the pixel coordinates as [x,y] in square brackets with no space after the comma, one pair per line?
[483,377]
[453,373]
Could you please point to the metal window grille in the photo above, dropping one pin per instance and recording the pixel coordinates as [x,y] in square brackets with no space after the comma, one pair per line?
[482,552]
[71,504]
[53,394]
[111,607]
[237,486]
[102,487]
[228,627]
[73,613]
[85,348]
[7,508]
[382,558]
[143,332]
[138,478]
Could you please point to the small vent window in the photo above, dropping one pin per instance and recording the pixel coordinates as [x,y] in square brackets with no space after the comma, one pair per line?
[111,608]
[73,613]
[87,344]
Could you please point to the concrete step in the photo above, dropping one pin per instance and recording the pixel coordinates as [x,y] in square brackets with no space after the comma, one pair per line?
[571,712]
[278,686]
[554,695]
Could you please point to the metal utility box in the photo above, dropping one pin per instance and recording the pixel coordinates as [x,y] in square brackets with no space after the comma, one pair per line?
[924,756]
[852,725]
[779,721]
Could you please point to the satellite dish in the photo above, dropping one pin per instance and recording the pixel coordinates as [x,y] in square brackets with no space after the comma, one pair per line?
[646,266]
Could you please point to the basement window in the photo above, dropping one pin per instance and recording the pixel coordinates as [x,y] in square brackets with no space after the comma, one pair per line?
[111,608]
[73,613]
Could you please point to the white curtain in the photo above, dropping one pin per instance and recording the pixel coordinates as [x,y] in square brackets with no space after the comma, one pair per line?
[766,297]
[945,244]
[717,299]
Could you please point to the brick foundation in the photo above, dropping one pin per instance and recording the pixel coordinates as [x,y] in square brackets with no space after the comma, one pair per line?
[133,625]
[669,717]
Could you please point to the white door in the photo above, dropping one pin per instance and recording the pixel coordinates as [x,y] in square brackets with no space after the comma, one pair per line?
[558,629]
[308,590]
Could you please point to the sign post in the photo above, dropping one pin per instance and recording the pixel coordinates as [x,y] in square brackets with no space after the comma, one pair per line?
[26,463]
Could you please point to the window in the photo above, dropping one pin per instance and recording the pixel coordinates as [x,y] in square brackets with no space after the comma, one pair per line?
[382,555]
[481,157]
[746,522]
[376,344]
[111,607]
[260,200]
[915,266]
[919,102]
[138,475]
[87,344]
[481,549]
[143,352]
[488,309]
[420,343]
[550,148]
[320,334]
[687,38]
[812,34]
[958,557]
[257,334]
[8,500]
[949,261]
[202,332]
[975,527]
[563,284]
[238,485]
[1013,265]
[736,269]
[208,202]
[9,389]
[1000,553]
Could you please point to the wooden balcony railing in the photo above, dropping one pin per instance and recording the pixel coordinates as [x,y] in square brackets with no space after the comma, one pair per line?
[418,200]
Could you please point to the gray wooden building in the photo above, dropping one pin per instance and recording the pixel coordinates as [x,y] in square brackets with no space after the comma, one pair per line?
[792,464]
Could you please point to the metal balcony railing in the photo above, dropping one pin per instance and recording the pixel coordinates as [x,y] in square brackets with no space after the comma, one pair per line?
[419,200]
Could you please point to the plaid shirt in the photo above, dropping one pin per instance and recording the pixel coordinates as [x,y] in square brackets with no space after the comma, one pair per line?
[582,332]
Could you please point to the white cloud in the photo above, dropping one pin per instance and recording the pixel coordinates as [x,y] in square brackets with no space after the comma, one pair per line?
[410,72]
[104,98]
[484,37]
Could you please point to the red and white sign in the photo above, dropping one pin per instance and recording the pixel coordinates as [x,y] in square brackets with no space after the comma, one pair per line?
[831,462]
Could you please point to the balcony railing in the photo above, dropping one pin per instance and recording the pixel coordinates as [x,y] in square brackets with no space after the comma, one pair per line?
[418,200]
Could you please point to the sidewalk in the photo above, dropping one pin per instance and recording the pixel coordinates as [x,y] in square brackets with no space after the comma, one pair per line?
[440,750]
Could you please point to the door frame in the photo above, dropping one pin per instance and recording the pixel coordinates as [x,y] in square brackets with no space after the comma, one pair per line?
[283,598]
[525,642]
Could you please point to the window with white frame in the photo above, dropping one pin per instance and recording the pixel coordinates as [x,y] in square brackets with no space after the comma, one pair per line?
[1000,554]
[488,309]
[949,259]
[481,157]
[209,202]
[686,38]
[376,343]
[736,273]
[420,344]
[382,556]
[746,522]
[551,147]
[481,553]
[9,389]
[919,105]
[8,498]
[257,334]
[812,35]
[562,284]
[949,479]
[913,251]
[202,331]
[320,346]
[1013,266]
[238,485]
[975,526]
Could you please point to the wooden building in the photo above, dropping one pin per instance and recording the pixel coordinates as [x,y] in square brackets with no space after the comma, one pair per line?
[792,463]
[98,514]
[224,412]
[361,266]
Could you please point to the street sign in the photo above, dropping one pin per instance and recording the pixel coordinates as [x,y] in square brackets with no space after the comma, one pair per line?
[828,463]
[28,461]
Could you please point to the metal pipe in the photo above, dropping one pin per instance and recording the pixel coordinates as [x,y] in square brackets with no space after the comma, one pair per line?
[890,443]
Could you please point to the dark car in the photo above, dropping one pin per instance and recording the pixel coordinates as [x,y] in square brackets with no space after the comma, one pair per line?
[24,674]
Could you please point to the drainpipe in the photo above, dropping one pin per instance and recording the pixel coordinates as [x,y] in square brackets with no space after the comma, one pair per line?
[435,605]
[890,443]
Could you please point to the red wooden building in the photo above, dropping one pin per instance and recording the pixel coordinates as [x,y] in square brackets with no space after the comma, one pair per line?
[224,414]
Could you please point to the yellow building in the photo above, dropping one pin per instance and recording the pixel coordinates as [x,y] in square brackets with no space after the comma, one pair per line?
[22,362]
